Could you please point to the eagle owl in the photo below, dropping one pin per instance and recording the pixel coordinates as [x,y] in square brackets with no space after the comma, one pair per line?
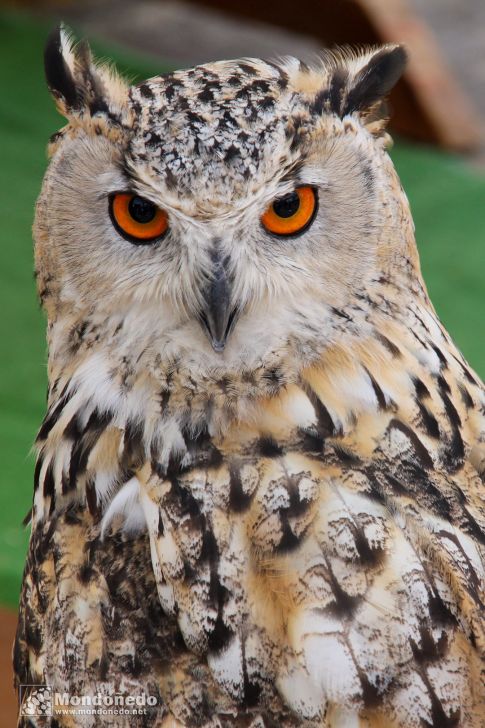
[259,490]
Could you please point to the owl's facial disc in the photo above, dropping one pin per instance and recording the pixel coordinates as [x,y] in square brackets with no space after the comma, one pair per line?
[287,216]
[143,223]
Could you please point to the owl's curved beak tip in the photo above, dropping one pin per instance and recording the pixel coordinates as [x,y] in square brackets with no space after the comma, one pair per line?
[218,346]
[218,328]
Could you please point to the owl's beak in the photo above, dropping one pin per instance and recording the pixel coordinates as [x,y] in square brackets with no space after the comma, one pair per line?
[217,317]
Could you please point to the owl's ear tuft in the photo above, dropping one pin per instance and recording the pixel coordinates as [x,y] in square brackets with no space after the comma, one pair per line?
[372,82]
[78,85]
[59,70]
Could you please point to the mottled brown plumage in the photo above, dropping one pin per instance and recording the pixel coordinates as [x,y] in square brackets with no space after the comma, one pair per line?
[287,532]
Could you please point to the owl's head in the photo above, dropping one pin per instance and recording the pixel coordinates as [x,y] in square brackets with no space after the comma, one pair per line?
[224,214]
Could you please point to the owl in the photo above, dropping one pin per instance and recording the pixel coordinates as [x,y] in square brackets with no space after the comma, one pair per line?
[259,491]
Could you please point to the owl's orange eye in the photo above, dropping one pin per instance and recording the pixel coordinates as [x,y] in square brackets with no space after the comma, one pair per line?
[137,219]
[291,214]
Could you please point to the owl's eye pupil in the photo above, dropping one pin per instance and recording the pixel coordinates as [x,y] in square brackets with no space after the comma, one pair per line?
[288,205]
[141,210]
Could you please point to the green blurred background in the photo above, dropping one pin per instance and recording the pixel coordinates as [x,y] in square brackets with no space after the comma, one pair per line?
[447,198]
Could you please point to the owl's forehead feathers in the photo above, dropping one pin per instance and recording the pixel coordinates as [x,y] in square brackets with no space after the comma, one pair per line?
[219,125]
[229,126]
